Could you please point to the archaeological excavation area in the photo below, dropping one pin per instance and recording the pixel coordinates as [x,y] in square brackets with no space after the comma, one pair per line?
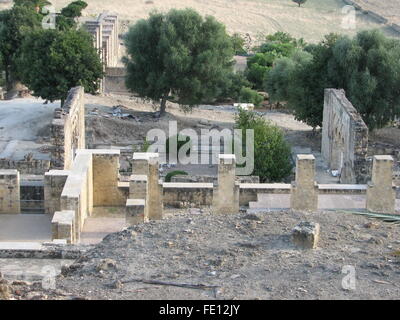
[89,209]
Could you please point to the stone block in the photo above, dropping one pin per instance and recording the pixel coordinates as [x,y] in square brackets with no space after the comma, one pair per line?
[135,211]
[306,235]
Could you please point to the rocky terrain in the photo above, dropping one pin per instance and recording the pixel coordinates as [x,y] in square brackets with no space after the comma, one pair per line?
[196,255]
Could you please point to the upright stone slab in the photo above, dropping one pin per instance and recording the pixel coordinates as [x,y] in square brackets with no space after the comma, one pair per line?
[135,211]
[105,178]
[154,202]
[226,193]
[54,182]
[148,164]
[304,191]
[381,192]
[9,191]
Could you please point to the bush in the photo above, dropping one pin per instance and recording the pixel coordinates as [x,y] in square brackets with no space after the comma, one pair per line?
[171,174]
[272,155]
[248,95]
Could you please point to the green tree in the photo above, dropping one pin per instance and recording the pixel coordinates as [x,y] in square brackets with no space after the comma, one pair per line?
[272,154]
[179,56]
[238,44]
[68,15]
[367,67]
[15,25]
[300,2]
[52,62]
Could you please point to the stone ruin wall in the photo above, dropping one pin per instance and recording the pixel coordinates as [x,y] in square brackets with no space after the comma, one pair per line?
[344,138]
[68,130]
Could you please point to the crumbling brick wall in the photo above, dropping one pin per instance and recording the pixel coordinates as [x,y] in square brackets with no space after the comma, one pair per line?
[344,138]
[68,129]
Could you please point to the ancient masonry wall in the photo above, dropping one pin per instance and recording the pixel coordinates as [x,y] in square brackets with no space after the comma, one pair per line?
[26,166]
[9,191]
[344,138]
[114,81]
[68,130]
[104,30]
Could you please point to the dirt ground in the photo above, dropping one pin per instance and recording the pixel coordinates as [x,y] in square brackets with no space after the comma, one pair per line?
[239,256]
[390,9]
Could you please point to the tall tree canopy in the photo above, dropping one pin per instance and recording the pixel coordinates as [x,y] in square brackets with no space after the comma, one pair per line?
[15,25]
[179,56]
[53,61]
[367,67]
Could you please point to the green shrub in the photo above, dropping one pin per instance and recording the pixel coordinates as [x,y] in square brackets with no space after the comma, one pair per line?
[171,174]
[272,154]
[248,95]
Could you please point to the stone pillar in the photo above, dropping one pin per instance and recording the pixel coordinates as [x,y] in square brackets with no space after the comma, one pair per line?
[9,191]
[304,191]
[54,182]
[138,186]
[381,191]
[226,194]
[154,196]
[140,162]
[62,226]
[105,178]
[135,211]
[148,164]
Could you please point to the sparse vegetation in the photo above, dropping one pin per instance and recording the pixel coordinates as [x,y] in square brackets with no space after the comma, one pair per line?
[300,2]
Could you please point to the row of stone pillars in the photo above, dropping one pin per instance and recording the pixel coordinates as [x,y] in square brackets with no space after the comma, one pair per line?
[145,188]
[381,191]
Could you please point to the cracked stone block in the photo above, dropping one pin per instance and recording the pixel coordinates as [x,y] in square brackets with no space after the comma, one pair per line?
[306,235]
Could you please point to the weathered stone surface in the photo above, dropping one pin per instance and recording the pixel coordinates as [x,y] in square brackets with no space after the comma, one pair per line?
[9,191]
[304,191]
[344,138]
[306,235]
[135,211]
[226,193]
[68,130]
[381,191]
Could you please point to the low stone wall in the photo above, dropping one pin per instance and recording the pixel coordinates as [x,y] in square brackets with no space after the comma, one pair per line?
[36,167]
[33,250]
[179,194]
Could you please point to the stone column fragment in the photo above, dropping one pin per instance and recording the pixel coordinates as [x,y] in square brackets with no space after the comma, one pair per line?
[381,191]
[226,193]
[304,191]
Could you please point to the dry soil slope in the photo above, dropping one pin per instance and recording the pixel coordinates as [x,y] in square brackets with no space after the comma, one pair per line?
[315,19]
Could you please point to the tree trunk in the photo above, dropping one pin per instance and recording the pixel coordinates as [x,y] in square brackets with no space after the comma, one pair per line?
[163,105]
